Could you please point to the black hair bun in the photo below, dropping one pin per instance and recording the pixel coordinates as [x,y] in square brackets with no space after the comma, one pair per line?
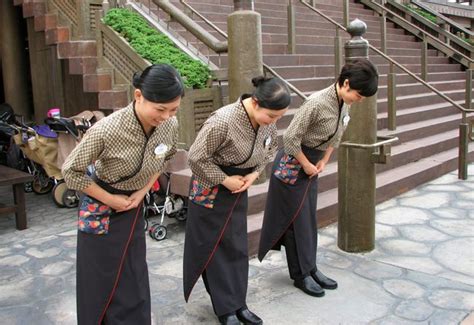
[136,79]
[257,81]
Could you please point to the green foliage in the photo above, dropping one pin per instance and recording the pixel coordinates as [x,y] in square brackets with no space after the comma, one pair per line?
[422,13]
[156,47]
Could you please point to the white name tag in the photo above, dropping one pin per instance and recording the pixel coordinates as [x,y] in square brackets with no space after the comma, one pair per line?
[161,149]
[268,141]
[345,120]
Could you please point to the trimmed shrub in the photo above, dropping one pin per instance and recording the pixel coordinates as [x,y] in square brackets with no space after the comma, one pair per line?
[156,47]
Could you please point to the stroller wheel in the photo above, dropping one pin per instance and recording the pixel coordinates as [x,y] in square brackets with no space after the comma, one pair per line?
[70,199]
[58,191]
[158,232]
[28,187]
[42,184]
[181,215]
[145,224]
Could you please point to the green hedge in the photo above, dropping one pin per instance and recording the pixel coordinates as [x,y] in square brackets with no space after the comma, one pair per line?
[422,13]
[156,47]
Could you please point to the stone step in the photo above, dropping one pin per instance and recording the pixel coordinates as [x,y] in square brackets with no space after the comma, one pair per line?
[395,41]
[57,35]
[45,22]
[113,99]
[77,49]
[81,66]
[317,59]
[324,49]
[97,82]
[33,8]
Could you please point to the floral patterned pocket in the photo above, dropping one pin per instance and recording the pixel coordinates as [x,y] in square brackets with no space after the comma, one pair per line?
[202,195]
[287,169]
[94,216]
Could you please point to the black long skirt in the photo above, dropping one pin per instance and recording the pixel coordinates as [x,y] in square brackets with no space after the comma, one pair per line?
[216,247]
[112,273]
[292,205]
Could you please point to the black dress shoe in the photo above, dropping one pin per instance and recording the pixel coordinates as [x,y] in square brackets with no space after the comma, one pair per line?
[247,317]
[229,319]
[323,280]
[309,286]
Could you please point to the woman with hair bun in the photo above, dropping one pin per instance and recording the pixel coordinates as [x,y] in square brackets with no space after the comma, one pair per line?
[290,212]
[230,151]
[128,150]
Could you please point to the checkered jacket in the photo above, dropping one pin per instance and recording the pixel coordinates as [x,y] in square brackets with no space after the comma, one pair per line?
[121,152]
[228,138]
[318,123]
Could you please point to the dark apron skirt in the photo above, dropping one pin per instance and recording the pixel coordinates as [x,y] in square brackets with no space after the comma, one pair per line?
[112,284]
[292,205]
[216,247]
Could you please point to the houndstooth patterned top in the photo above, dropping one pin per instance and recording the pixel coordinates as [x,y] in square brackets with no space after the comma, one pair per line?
[318,123]
[121,152]
[228,138]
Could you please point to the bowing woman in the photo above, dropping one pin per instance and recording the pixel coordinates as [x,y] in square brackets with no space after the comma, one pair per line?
[290,212]
[230,151]
[128,149]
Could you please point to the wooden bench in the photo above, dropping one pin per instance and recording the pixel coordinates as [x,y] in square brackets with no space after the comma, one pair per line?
[17,179]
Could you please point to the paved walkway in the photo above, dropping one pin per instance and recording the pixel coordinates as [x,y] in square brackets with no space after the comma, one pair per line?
[421,272]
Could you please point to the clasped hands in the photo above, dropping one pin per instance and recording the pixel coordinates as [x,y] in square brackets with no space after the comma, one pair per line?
[120,202]
[238,184]
[312,170]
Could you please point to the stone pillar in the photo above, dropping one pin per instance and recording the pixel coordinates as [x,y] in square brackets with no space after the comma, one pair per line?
[244,29]
[356,171]
[14,60]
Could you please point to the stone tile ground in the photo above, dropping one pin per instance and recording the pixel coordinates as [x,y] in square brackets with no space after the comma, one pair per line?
[421,272]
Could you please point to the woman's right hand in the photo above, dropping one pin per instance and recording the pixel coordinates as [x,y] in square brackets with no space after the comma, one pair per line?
[233,183]
[310,169]
[119,202]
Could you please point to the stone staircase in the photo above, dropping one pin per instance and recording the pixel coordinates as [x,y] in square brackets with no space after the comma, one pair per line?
[81,55]
[427,125]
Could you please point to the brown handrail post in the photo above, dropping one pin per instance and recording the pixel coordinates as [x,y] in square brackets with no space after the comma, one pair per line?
[424,59]
[383,32]
[391,98]
[291,28]
[345,9]
[356,168]
[464,130]
[469,75]
[463,148]
[337,53]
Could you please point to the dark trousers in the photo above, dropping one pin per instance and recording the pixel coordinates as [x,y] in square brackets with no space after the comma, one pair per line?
[292,260]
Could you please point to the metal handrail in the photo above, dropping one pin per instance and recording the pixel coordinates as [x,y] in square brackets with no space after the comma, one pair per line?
[265,66]
[422,31]
[441,17]
[386,57]
[384,140]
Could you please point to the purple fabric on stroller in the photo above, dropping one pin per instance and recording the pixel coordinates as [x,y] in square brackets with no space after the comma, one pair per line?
[45,131]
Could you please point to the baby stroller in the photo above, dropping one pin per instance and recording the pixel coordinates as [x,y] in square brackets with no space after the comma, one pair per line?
[37,145]
[69,131]
[160,201]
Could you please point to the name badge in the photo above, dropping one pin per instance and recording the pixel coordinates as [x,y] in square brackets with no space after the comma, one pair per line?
[160,150]
[267,142]
[345,120]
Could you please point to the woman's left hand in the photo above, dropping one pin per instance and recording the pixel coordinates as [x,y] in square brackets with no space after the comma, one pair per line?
[248,181]
[320,166]
[137,198]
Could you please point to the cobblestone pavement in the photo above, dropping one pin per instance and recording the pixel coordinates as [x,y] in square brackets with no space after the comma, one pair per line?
[421,272]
